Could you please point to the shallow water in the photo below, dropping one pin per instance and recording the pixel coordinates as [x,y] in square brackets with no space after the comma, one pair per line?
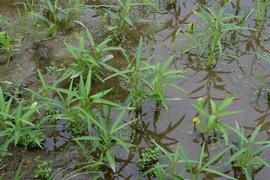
[240,76]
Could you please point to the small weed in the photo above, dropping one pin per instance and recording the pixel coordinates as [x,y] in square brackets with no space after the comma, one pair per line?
[56,16]
[148,159]
[196,168]
[148,81]
[6,45]
[93,58]
[77,127]
[245,152]
[212,120]
[43,169]
[108,134]
[217,26]
[18,124]
[121,18]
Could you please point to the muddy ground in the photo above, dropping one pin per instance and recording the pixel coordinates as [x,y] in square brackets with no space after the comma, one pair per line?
[245,76]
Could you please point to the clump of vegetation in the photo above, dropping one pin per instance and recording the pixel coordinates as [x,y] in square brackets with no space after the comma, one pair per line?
[43,169]
[246,151]
[148,159]
[6,45]
[107,136]
[209,41]
[121,19]
[262,7]
[33,140]
[209,121]
[193,169]
[148,81]
[94,58]
[103,93]
[18,124]
[76,127]
[55,15]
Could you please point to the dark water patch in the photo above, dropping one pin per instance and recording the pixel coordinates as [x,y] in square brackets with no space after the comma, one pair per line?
[243,75]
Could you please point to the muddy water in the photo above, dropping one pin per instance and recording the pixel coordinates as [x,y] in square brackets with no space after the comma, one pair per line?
[241,76]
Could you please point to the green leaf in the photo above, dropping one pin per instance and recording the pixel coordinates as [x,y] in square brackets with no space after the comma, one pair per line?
[122,126]
[118,120]
[201,110]
[87,138]
[212,171]
[211,122]
[238,132]
[264,162]
[248,174]
[255,134]
[128,20]
[228,113]
[214,159]
[200,165]
[225,103]
[111,160]
[235,157]
[213,106]
[138,53]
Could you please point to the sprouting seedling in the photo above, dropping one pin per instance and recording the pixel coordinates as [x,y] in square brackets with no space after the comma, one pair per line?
[55,17]
[209,121]
[82,95]
[148,81]
[6,45]
[17,124]
[246,151]
[210,42]
[162,77]
[148,159]
[122,18]
[107,135]
[261,10]
[195,168]
[94,57]
[43,169]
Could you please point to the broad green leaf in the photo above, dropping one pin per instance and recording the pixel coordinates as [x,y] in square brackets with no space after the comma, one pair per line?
[225,103]
[211,122]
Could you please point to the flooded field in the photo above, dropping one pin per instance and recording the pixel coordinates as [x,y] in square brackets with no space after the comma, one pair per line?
[111,89]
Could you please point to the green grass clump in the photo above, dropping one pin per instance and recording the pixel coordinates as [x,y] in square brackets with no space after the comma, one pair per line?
[6,45]
[245,154]
[209,41]
[211,121]
[18,124]
[246,151]
[148,159]
[77,127]
[192,169]
[43,169]
[108,134]
[121,18]
[81,95]
[148,81]
[94,58]
[54,15]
